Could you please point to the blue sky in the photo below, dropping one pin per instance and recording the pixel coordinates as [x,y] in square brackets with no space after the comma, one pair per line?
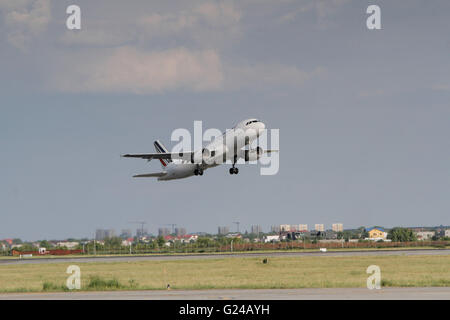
[363,115]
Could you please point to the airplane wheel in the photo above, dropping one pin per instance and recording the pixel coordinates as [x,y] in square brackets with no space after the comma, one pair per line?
[196,172]
[200,172]
[236,170]
[231,170]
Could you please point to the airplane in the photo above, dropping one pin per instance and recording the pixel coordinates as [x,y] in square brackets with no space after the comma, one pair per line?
[229,146]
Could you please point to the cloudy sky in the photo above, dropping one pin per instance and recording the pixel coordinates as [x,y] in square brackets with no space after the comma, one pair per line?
[364,115]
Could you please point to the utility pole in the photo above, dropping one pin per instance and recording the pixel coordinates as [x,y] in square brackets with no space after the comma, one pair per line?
[237,225]
[95,251]
[142,223]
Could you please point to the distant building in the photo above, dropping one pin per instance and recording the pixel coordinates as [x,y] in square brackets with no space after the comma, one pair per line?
[126,233]
[256,229]
[425,235]
[275,229]
[377,233]
[102,234]
[319,227]
[302,227]
[234,235]
[223,230]
[285,227]
[162,232]
[187,238]
[447,233]
[296,235]
[329,234]
[141,233]
[337,227]
[127,242]
[275,238]
[67,244]
[99,234]
[110,233]
[180,232]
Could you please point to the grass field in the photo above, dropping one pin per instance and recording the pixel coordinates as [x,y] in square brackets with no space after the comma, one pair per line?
[279,272]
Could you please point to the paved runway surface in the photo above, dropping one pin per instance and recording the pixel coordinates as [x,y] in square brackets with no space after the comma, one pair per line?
[222,256]
[433,293]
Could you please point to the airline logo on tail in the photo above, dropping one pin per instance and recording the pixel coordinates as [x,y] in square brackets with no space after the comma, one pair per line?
[159,147]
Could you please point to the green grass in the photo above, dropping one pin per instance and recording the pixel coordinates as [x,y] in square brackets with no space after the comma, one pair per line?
[231,273]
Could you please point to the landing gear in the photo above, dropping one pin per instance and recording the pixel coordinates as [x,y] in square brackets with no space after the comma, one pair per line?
[198,172]
[233,169]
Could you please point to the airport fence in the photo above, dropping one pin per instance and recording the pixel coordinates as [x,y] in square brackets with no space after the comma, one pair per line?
[193,248]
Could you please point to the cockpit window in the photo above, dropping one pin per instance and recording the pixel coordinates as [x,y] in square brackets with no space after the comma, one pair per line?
[251,122]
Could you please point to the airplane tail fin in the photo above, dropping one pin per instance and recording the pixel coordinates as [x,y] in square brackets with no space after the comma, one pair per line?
[159,147]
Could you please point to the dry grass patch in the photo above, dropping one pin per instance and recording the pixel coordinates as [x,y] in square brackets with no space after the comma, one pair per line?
[279,272]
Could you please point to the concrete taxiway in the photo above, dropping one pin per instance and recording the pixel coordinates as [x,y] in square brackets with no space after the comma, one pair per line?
[226,255]
[429,293]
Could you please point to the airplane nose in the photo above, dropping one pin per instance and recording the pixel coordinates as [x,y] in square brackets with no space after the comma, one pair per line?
[261,127]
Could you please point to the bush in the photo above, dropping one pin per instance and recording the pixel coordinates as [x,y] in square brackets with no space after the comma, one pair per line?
[50,286]
[98,283]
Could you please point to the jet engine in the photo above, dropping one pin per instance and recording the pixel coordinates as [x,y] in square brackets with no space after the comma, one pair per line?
[253,154]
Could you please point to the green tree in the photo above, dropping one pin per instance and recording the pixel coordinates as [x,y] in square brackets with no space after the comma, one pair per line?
[160,241]
[113,242]
[26,247]
[45,244]
[203,242]
[401,235]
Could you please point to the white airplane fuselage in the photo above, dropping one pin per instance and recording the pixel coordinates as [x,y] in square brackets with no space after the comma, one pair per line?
[227,147]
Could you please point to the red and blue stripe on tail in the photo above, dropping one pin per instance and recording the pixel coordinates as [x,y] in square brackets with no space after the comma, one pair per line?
[159,147]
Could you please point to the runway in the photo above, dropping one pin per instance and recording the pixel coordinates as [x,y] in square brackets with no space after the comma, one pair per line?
[429,293]
[225,255]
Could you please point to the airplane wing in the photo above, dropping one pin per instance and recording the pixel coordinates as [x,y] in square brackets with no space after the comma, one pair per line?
[165,155]
[150,175]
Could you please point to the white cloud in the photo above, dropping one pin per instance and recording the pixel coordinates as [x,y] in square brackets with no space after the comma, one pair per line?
[24,19]
[206,25]
[268,75]
[322,8]
[99,35]
[325,8]
[129,70]
[221,15]
[121,57]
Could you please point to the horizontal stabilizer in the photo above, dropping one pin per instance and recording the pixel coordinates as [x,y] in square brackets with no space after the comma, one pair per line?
[168,155]
[150,175]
